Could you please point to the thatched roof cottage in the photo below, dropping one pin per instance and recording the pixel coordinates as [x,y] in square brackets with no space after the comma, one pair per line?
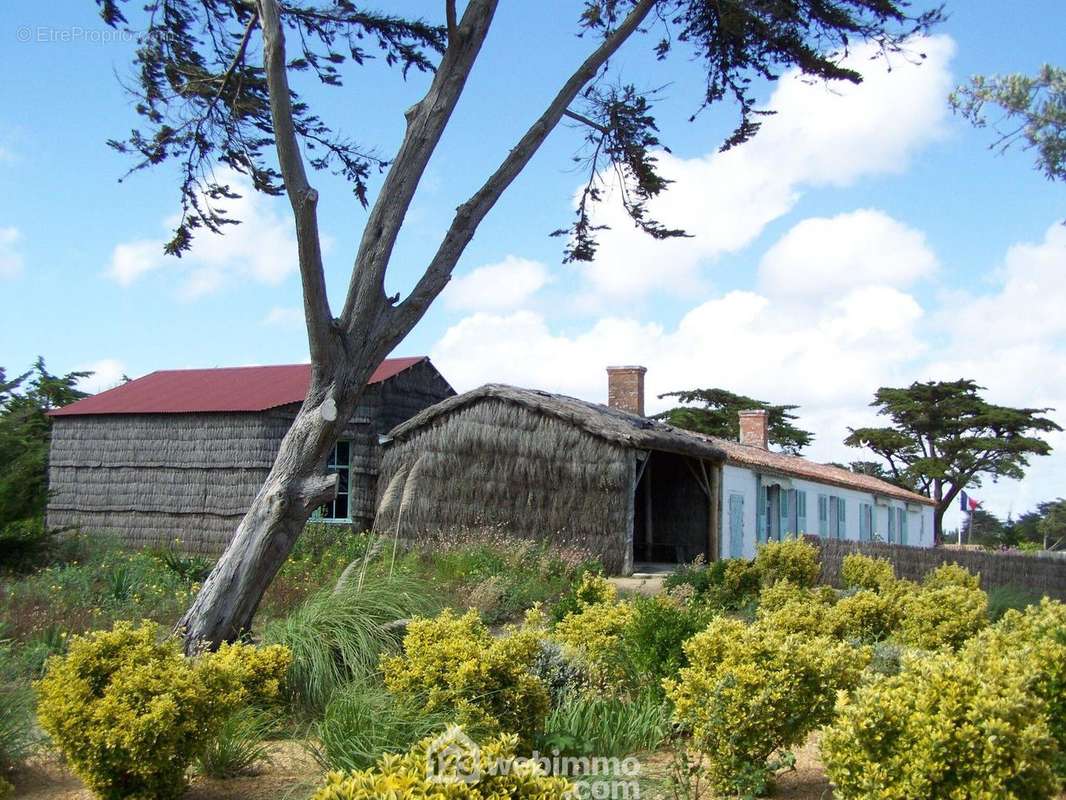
[180,454]
[627,488]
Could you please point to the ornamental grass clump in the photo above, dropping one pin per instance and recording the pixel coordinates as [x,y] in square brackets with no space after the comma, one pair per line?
[451,663]
[751,690]
[490,771]
[942,728]
[791,560]
[129,712]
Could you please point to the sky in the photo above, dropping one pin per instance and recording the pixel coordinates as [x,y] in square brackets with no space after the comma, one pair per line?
[866,237]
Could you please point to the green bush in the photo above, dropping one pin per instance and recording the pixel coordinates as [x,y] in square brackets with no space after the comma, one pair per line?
[606,727]
[656,633]
[727,584]
[17,737]
[751,690]
[338,637]
[562,675]
[858,571]
[788,608]
[951,575]
[791,560]
[237,746]
[942,614]
[455,664]
[362,722]
[596,634]
[941,729]
[496,775]
[1035,642]
[129,712]
[24,544]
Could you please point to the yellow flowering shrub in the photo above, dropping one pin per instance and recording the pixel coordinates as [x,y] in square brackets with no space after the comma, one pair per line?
[6,789]
[495,775]
[790,560]
[789,608]
[597,636]
[455,664]
[942,615]
[595,589]
[750,690]
[867,616]
[865,572]
[941,729]
[951,575]
[128,710]
[1035,639]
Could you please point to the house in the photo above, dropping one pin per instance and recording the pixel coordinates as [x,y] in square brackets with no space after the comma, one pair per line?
[624,487]
[180,454]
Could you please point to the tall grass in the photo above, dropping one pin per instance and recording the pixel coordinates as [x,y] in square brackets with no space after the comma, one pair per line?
[1004,598]
[238,745]
[362,721]
[607,726]
[338,637]
[17,731]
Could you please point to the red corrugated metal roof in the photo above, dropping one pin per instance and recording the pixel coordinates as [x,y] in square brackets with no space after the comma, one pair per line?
[177,391]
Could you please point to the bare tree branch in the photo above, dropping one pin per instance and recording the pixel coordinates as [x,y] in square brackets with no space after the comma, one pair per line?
[426,121]
[470,214]
[302,196]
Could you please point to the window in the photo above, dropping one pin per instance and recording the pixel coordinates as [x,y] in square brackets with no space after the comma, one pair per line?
[340,462]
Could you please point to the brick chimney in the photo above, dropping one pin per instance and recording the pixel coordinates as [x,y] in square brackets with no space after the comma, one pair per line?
[754,428]
[625,388]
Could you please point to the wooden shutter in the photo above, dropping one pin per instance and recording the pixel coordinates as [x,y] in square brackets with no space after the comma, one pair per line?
[891,525]
[902,526]
[761,517]
[823,516]
[736,525]
[785,498]
[801,512]
[842,527]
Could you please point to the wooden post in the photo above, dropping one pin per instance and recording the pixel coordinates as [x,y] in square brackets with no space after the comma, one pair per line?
[647,509]
[714,546]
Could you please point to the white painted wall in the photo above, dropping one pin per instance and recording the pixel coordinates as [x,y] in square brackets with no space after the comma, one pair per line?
[742,481]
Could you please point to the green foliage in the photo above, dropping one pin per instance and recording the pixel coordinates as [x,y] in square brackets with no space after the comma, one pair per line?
[1033,641]
[1034,105]
[867,616]
[129,711]
[606,727]
[716,412]
[1006,598]
[562,675]
[455,664]
[951,575]
[655,635]
[727,584]
[596,635]
[751,690]
[17,736]
[363,721]
[859,571]
[791,560]
[943,434]
[942,616]
[339,636]
[941,728]
[405,777]
[24,434]
[788,608]
[238,744]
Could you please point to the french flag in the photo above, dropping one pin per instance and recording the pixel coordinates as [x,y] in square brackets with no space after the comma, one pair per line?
[967,503]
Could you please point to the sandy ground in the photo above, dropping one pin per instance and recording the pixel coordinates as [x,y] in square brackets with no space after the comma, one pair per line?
[650,585]
[291,773]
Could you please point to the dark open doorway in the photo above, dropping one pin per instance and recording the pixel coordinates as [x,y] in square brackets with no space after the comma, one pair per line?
[671,510]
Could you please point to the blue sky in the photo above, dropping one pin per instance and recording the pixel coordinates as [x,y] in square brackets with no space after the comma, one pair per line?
[866,238]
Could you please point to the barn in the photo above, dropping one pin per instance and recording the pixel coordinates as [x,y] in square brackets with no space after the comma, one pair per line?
[630,490]
[180,454]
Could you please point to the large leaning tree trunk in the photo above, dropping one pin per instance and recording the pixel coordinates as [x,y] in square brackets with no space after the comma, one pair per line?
[205,104]
[345,351]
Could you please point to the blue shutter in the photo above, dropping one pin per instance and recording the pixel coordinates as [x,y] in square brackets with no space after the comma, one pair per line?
[784,502]
[891,525]
[902,526]
[864,522]
[736,525]
[760,510]
[801,512]
[823,516]
[842,528]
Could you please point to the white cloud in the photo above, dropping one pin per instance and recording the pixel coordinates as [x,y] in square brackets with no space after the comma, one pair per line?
[11,261]
[282,316]
[821,135]
[506,284]
[823,256]
[107,374]
[262,248]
